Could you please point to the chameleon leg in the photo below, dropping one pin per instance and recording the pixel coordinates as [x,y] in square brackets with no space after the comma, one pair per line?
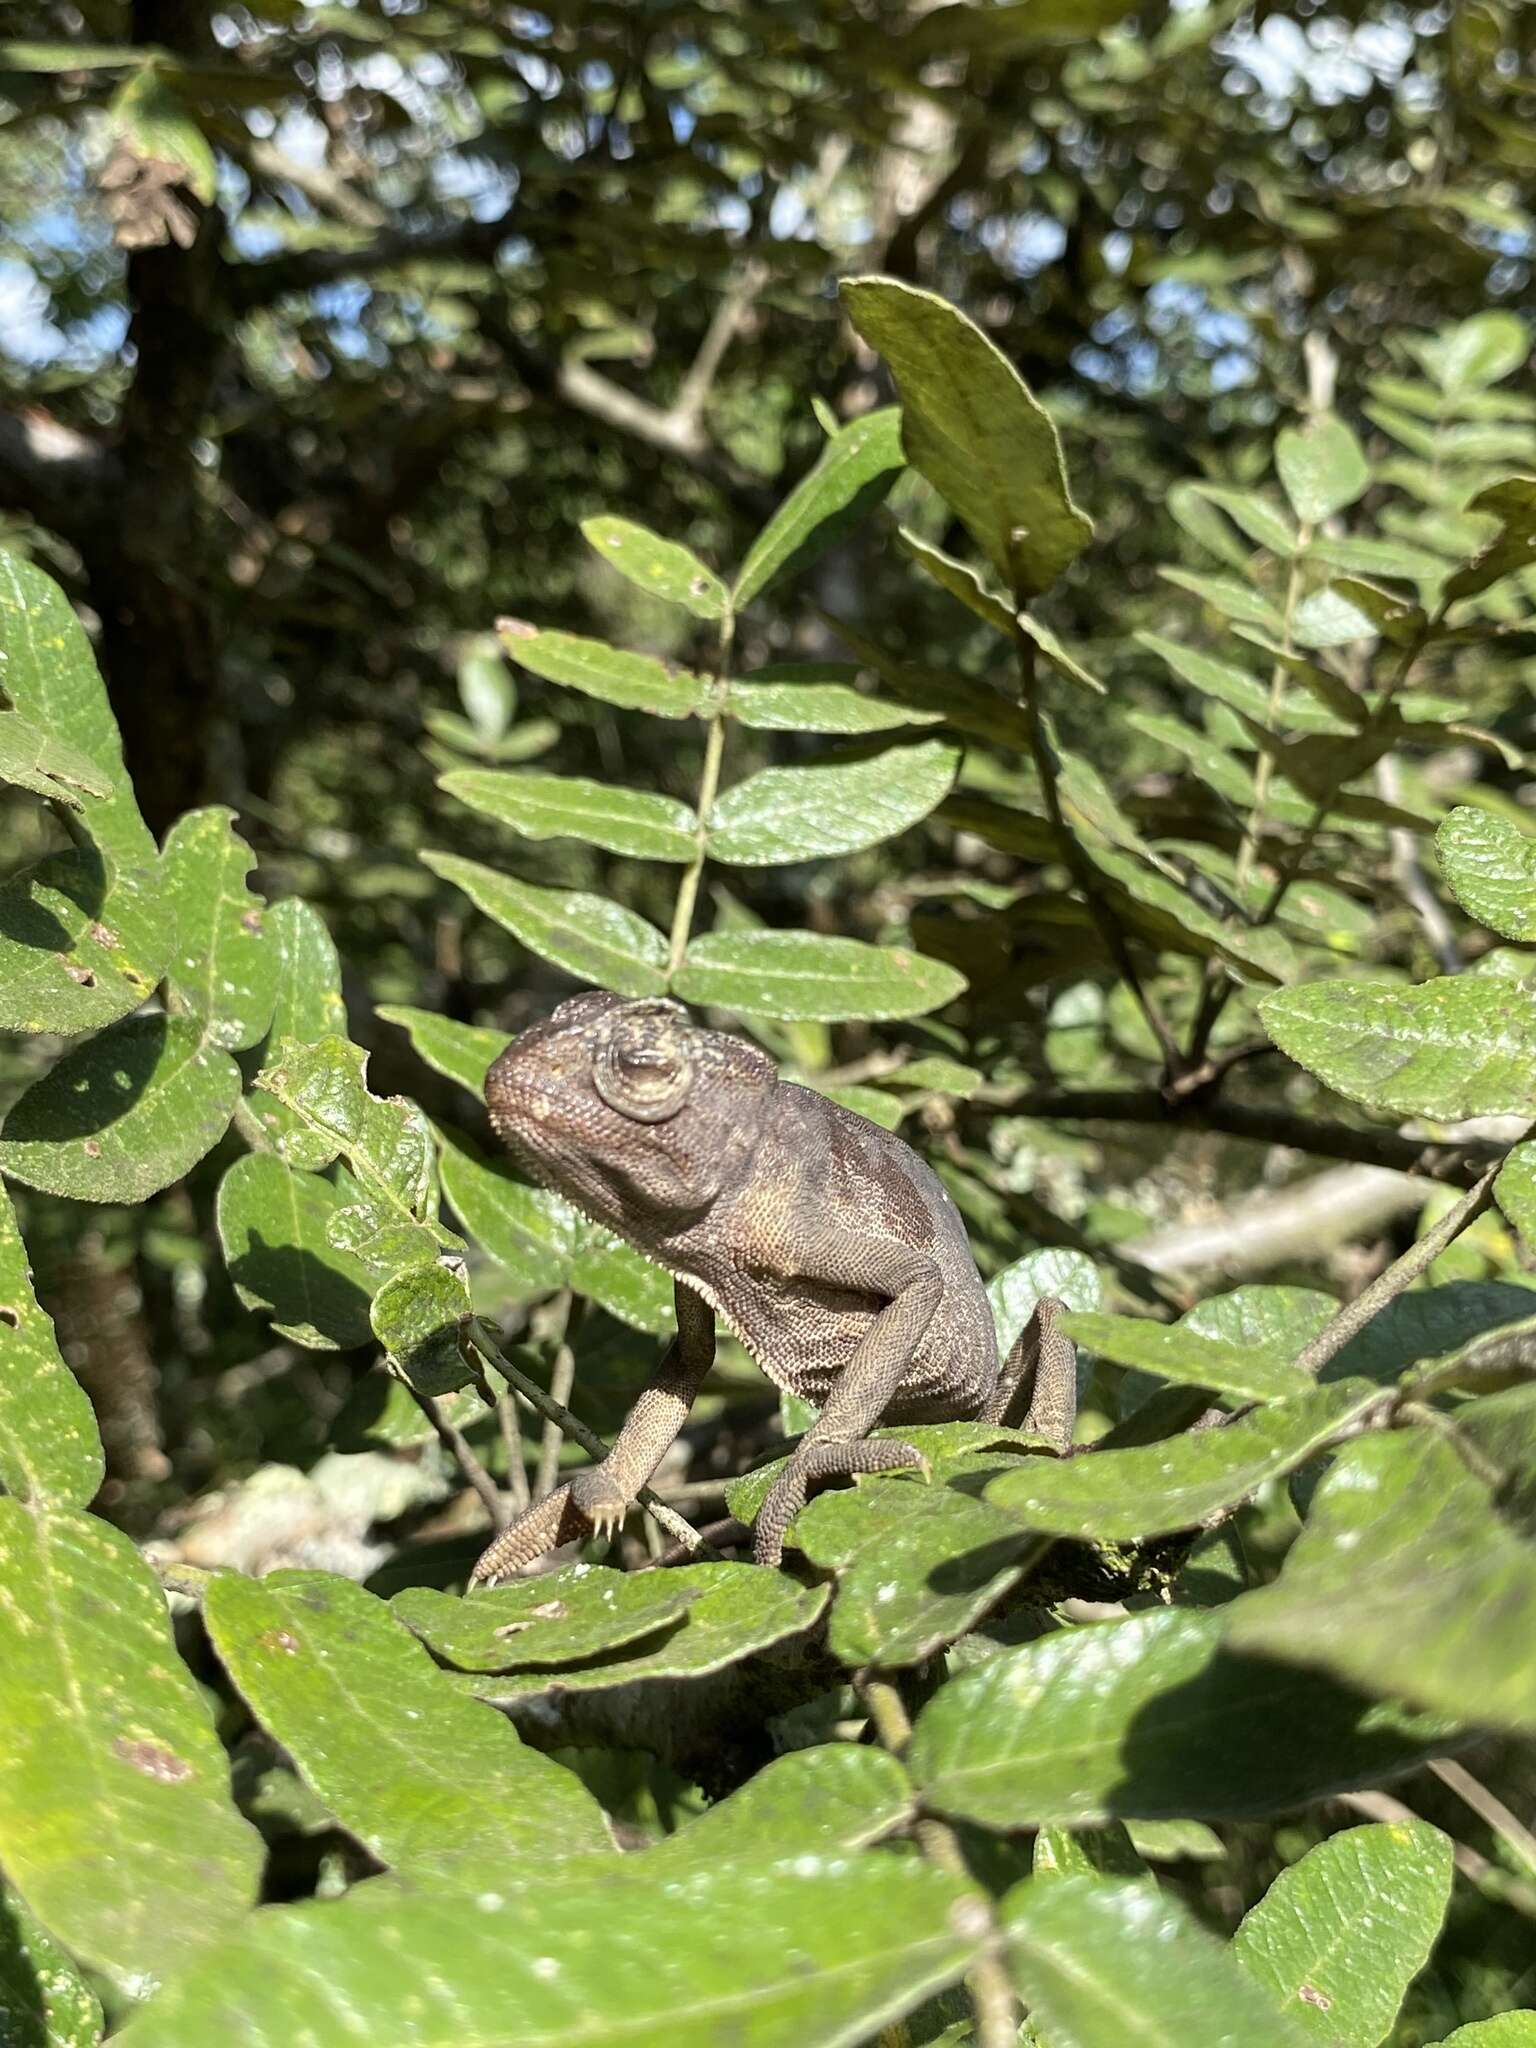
[835,1445]
[1037,1388]
[594,1502]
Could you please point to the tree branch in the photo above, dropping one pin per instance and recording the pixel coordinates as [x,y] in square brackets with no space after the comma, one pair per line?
[248,286]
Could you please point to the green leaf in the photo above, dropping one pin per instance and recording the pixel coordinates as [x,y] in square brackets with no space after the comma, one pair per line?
[385,1138]
[432,1785]
[1400,1527]
[1259,517]
[1513,547]
[1506,2030]
[116,1824]
[815,1951]
[960,580]
[562,1617]
[225,967]
[124,1115]
[806,975]
[307,1007]
[158,127]
[273,1223]
[1338,1937]
[665,568]
[936,1075]
[973,427]
[1057,655]
[1491,867]
[1483,350]
[1322,467]
[813,1802]
[1155,1717]
[1112,1963]
[533,1234]
[1120,1496]
[782,815]
[486,691]
[592,938]
[1168,911]
[49,674]
[852,475]
[79,946]
[537,806]
[621,1280]
[637,682]
[916,1566]
[815,696]
[462,1052]
[50,1452]
[1070,1276]
[1451,1047]
[44,2001]
[1515,1189]
[31,759]
[737,1610]
[1428,1323]
[1175,1352]
[419,1315]
[1233,600]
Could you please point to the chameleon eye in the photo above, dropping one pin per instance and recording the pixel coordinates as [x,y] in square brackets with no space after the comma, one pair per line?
[642,1068]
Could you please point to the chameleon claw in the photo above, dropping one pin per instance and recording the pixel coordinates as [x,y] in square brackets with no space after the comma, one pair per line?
[552,1521]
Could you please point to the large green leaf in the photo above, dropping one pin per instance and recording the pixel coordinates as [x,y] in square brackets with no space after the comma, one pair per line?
[1461,1045]
[1175,1352]
[1118,1496]
[1066,1276]
[50,1452]
[538,806]
[814,1802]
[1154,1717]
[1513,504]
[116,1824]
[307,1007]
[665,568]
[818,1951]
[1234,600]
[273,1222]
[1516,1190]
[1506,2030]
[435,1786]
[637,682]
[738,1610]
[973,427]
[1114,1963]
[462,1052]
[123,1115]
[533,1234]
[563,1617]
[962,582]
[1491,867]
[806,975]
[44,2000]
[420,1316]
[79,946]
[225,967]
[1322,467]
[591,937]
[916,1566]
[49,674]
[806,813]
[1407,1580]
[852,474]
[1428,1323]
[386,1139]
[1482,350]
[1338,1937]
[622,1281]
[30,759]
[816,696]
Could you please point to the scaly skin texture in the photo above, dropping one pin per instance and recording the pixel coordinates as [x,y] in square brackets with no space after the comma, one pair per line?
[822,1240]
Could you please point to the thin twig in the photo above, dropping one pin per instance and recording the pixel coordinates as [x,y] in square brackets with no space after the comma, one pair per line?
[512,1443]
[562,1378]
[1398,1277]
[579,1433]
[454,1443]
[1488,1807]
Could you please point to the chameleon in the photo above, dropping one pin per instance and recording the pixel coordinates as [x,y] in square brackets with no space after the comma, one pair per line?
[832,1251]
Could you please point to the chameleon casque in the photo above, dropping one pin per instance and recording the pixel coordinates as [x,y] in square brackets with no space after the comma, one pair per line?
[821,1240]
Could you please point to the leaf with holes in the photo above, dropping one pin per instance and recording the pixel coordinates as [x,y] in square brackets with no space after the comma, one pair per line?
[79,946]
[435,1787]
[1453,1047]
[225,967]
[635,682]
[806,975]
[385,1138]
[273,1223]
[782,815]
[852,475]
[116,1822]
[1491,867]
[1338,1937]
[124,1115]
[632,821]
[590,937]
[973,427]
[50,1450]
[420,1315]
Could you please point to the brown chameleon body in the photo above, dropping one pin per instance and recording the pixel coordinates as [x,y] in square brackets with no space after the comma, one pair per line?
[820,1239]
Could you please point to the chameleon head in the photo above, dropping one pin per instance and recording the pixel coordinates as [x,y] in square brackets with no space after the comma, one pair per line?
[629,1109]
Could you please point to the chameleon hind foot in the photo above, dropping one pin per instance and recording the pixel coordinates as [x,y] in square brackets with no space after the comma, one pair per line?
[811,1464]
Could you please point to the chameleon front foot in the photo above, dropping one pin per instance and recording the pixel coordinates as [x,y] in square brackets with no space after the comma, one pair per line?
[555,1520]
[810,1465]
